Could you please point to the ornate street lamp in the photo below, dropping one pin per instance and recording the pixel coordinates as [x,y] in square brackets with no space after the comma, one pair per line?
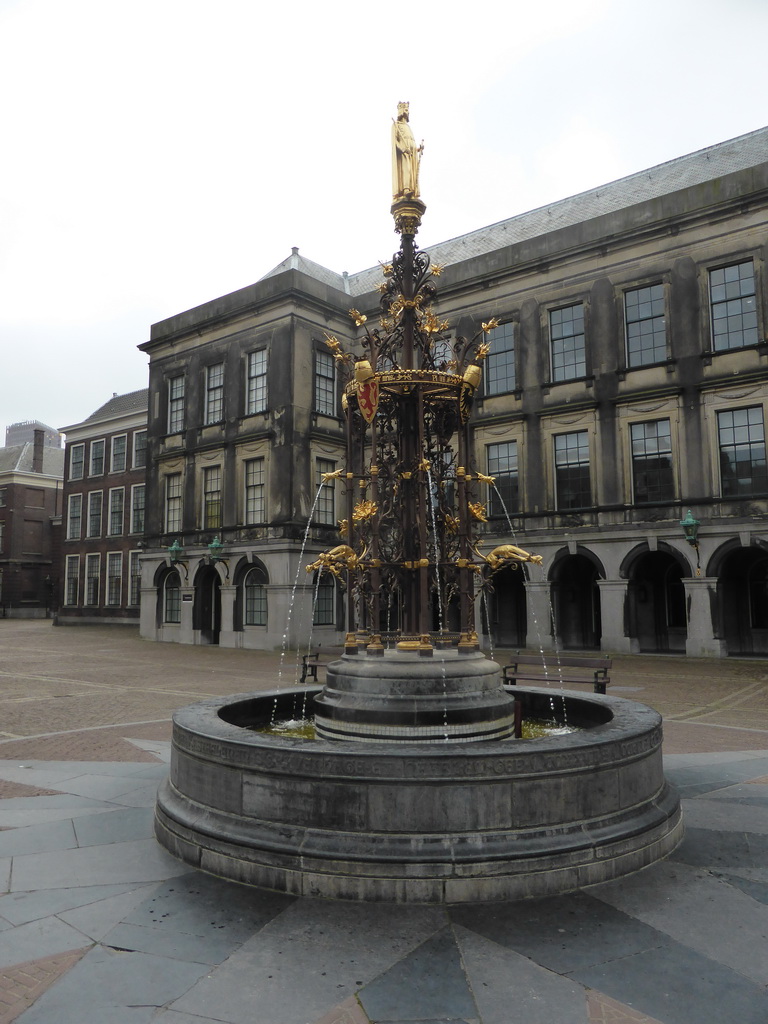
[215,549]
[691,533]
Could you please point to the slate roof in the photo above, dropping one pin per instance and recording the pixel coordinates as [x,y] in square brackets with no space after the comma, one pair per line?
[693,169]
[18,459]
[121,405]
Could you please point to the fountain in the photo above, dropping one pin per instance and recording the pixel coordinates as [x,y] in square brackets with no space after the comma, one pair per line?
[415,788]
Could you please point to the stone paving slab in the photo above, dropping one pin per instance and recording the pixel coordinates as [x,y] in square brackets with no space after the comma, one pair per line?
[679,943]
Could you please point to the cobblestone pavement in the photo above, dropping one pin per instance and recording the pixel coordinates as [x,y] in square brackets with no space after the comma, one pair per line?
[98,923]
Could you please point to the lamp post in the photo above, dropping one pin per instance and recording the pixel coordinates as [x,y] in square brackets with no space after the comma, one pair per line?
[690,528]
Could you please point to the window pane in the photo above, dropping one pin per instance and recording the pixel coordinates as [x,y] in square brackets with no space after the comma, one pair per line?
[742,452]
[256,397]
[567,342]
[255,598]
[572,479]
[652,475]
[139,449]
[502,464]
[212,498]
[172,597]
[733,306]
[324,604]
[325,380]
[116,500]
[76,461]
[173,503]
[119,445]
[97,458]
[175,404]
[214,396]
[646,325]
[325,508]
[500,363]
[255,503]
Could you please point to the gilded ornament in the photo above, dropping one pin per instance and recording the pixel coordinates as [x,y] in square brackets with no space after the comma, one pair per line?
[343,527]
[364,510]
[486,479]
[437,269]
[482,351]
[358,317]
[490,326]
[451,523]
[477,511]
[335,475]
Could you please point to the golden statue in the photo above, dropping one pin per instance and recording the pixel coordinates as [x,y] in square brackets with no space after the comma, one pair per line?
[510,553]
[405,157]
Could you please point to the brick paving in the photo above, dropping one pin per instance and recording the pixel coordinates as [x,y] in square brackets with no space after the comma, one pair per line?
[22,984]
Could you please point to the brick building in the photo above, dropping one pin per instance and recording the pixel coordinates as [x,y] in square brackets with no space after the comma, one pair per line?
[103,513]
[30,500]
[626,384]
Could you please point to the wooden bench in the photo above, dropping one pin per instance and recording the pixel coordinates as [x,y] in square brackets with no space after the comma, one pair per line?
[317,659]
[558,669]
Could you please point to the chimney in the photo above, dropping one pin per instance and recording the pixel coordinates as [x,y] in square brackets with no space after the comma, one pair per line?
[37,451]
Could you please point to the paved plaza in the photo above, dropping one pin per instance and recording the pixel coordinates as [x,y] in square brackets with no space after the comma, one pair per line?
[99,925]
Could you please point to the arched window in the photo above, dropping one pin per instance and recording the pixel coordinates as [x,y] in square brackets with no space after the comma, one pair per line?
[172,597]
[255,594]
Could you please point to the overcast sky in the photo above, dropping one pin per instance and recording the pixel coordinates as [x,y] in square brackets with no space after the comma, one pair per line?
[160,153]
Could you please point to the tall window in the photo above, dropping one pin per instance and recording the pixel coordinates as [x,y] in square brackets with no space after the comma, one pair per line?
[652,478]
[116,502]
[566,334]
[71,579]
[325,384]
[92,570]
[75,517]
[214,393]
[500,363]
[97,458]
[255,497]
[95,501]
[114,577]
[172,597]
[212,498]
[572,482]
[325,601]
[255,594]
[256,383]
[325,509]
[741,434]
[173,503]
[175,404]
[734,306]
[119,448]
[139,449]
[134,580]
[502,464]
[646,325]
[137,508]
[76,461]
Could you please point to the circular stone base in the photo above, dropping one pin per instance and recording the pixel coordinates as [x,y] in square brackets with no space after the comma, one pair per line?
[423,823]
[402,696]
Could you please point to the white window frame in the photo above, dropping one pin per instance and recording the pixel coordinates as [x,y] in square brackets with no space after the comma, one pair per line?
[172,513]
[135,488]
[113,492]
[176,403]
[256,382]
[80,449]
[112,558]
[135,464]
[112,467]
[74,499]
[72,579]
[89,531]
[97,472]
[214,393]
[134,574]
[92,559]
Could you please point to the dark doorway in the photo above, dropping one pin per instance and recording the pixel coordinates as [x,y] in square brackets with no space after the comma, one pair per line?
[577,603]
[743,600]
[508,608]
[207,610]
[657,601]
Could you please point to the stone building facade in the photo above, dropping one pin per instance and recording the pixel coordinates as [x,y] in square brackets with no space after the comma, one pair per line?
[103,514]
[626,385]
[30,502]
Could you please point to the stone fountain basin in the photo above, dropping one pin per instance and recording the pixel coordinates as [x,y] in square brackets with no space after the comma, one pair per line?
[425,823]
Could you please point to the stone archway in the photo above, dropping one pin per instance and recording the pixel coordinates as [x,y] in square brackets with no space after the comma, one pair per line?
[507,608]
[657,610]
[576,601]
[206,612]
[742,591]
